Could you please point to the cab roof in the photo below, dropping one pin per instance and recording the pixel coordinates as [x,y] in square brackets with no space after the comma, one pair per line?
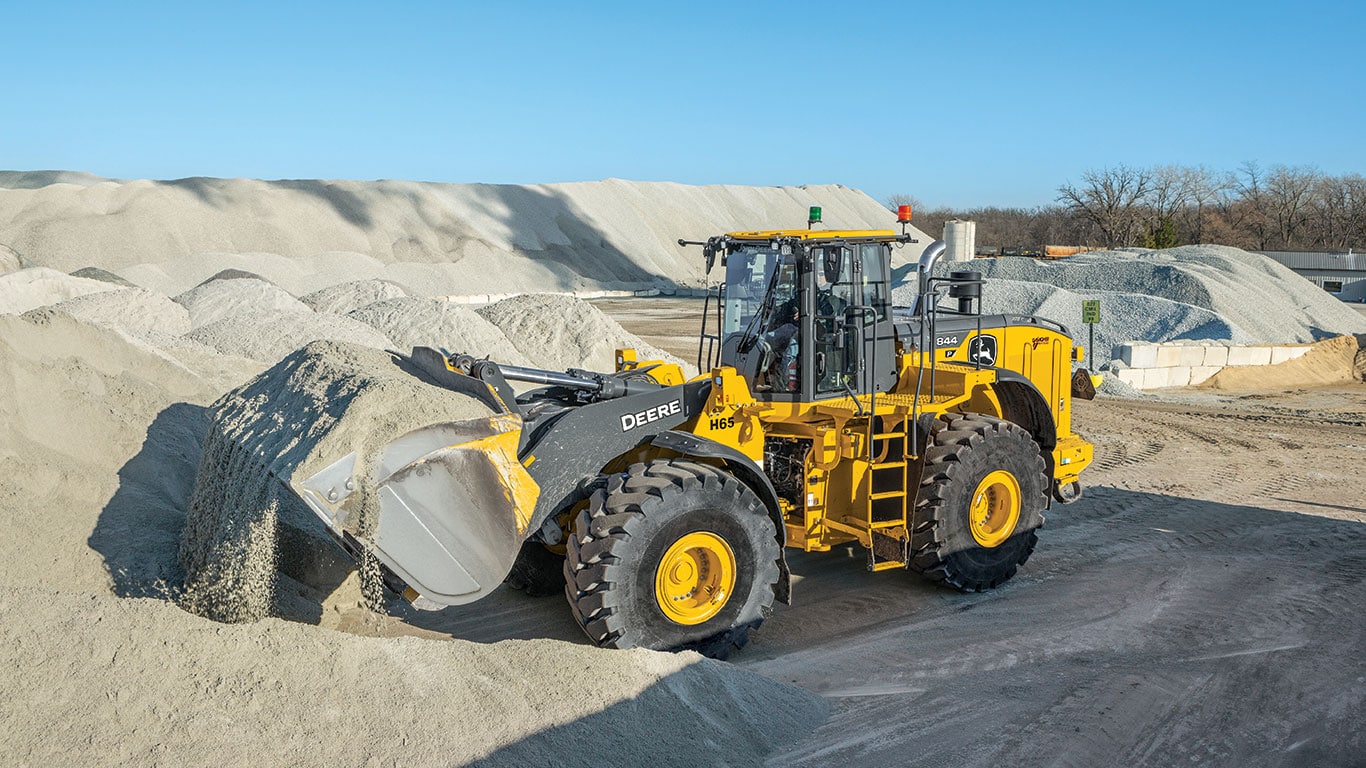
[815,234]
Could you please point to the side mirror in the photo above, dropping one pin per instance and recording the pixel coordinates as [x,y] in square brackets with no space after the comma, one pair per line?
[831,263]
[709,256]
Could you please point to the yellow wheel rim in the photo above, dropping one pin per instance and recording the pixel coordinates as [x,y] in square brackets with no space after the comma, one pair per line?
[695,578]
[995,508]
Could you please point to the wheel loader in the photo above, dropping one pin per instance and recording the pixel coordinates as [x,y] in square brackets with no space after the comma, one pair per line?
[930,438]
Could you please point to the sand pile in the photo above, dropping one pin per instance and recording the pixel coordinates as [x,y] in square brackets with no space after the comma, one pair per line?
[345,297]
[95,273]
[270,334]
[9,261]
[411,322]
[130,309]
[1328,362]
[99,445]
[227,296]
[561,332]
[99,439]
[39,287]
[447,238]
[140,682]
[1191,292]
[314,407]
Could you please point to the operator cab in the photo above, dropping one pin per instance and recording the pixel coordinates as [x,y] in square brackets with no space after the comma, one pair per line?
[807,315]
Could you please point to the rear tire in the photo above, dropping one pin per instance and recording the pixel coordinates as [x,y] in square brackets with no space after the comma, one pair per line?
[981,501]
[674,520]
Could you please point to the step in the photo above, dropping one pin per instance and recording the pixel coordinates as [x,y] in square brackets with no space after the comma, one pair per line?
[887,495]
[887,565]
[887,465]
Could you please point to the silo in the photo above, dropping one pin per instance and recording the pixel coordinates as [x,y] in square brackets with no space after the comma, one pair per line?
[960,239]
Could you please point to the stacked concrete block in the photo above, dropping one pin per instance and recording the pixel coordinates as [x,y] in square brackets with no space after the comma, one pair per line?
[1216,356]
[1145,365]
[1284,354]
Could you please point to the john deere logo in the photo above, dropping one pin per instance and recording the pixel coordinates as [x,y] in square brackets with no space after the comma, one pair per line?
[982,350]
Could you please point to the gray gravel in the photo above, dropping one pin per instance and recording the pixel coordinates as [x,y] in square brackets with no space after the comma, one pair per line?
[1192,292]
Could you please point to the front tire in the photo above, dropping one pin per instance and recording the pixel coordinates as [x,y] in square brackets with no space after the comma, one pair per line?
[980,504]
[674,555]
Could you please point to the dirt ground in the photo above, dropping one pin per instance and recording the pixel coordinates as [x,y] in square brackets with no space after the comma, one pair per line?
[1201,605]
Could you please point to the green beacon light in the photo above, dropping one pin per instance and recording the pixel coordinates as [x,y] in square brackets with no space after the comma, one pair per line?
[813,216]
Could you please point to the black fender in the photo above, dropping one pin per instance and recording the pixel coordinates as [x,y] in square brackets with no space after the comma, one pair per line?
[749,473]
[1024,404]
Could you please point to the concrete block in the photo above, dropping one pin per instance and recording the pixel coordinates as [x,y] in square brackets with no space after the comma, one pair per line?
[1137,354]
[1134,377]
[1192,356]
[1179,376]
[1201,374]
[1168,355]
[1282,354]
[1241,356]
[1215,356]
[1260,355]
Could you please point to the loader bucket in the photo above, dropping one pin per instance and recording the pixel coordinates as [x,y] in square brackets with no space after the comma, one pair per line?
[399,456]
[450,507]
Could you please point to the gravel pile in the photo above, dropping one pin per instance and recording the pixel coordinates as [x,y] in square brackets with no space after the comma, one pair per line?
[1191,292]
[345,297]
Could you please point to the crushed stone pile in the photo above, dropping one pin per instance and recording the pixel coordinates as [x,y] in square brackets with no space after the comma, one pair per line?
[561,332]
[411,321]
[315,406]
[9,261]
[1191,292]
[130,309]
[270,334]
[345,297]
[1124,316]
[225,297]
[39,287]
[446,238]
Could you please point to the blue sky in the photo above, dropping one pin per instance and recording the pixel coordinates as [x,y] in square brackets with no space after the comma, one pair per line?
[986,103]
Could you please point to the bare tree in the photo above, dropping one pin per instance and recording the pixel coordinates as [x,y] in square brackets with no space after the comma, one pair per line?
[898,200]
[1337,216]
[1289,195]
[1206,185]
[1170,191]
[1248,209]
[1112,199]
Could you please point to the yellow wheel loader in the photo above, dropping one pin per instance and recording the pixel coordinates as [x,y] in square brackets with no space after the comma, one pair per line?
[930,437]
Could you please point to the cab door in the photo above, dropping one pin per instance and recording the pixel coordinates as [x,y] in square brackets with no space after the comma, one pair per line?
[848,340]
